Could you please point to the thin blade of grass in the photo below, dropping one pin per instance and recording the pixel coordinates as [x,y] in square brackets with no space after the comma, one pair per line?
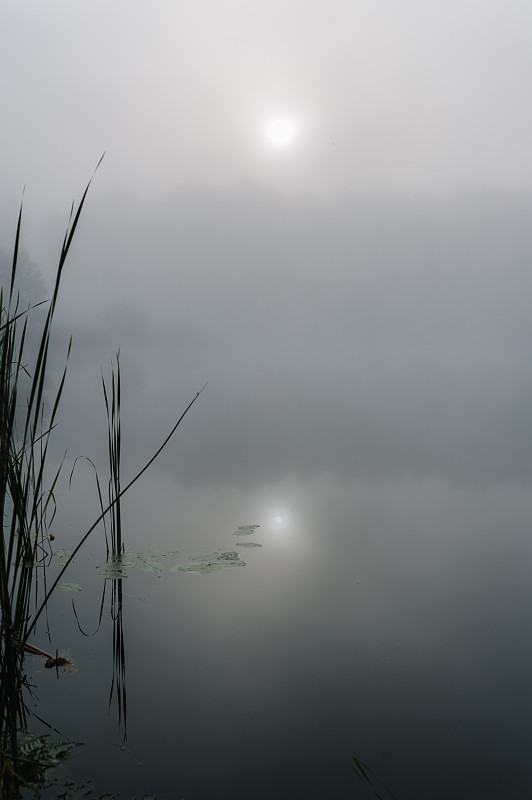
[33,621]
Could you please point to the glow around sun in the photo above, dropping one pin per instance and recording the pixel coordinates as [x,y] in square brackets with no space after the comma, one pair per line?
[278,519]
[281,132]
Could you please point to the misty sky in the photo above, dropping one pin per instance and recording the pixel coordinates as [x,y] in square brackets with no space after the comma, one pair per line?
[358,299]
[416,96]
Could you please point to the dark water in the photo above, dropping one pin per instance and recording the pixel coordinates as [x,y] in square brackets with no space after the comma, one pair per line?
[369,383]
[389,623]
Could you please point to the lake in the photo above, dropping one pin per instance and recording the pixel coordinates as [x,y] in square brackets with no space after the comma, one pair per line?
[371,415]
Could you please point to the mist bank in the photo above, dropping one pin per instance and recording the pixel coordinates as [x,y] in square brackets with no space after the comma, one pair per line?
[366,336]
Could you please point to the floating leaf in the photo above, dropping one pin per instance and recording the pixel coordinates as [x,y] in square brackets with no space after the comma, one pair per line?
[115,568]
[149,555]
[188,568]
[113,576]
[237,562]
[149,566]
[171,554]
[62,556]
[111,571]
[144,797]
[156,555]
[209,562]
[147,561]
[198,563]
[245,530]
[39,754]
[122,560]
[70,587]
[231,555]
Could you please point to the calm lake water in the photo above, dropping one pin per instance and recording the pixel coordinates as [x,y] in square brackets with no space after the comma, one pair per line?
[323,211]
[388,623]
[368,407]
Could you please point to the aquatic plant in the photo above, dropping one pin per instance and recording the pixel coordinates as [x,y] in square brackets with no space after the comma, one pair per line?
[86,790]
[366,775]
[27,502]
[114,439]
[27,507]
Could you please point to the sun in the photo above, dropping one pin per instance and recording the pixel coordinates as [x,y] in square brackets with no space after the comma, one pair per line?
[279,520]
[281,132]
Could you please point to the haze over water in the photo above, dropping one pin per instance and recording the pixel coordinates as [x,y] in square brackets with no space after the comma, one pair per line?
[355,289]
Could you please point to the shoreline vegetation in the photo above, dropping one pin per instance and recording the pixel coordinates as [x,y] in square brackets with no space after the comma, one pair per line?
[27,505]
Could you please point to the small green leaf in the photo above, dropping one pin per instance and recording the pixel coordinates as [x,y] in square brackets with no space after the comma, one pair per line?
[122,560]
[111,571]
[149,555]
[245,530]
[147,561]
[38,754]
[188,568]
[231,555]
[61,556]
[150,566]
[248,544]
[209,562]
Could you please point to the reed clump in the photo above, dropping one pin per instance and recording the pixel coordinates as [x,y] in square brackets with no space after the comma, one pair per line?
[27,508]
[26,503]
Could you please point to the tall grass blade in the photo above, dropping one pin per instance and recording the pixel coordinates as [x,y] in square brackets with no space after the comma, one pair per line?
[32,623]
[363,772]
[24,501]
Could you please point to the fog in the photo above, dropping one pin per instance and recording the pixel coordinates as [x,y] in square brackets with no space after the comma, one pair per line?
[363,338]
[410,97]
[357,302]
[369,383]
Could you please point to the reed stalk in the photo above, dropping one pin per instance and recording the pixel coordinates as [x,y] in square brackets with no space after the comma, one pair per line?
[112,405]
[27,501]
[26,423]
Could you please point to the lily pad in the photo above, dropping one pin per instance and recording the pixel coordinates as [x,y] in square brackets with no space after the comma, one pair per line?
[116,566]
[236,562]
[189,567]
[198,563]
[39,754]
[111,571]
[149,566]
[157,555]
[70,587]
[61,556]
[150,555]
[123,560]
[245,530]
[209,562]
[231,555]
